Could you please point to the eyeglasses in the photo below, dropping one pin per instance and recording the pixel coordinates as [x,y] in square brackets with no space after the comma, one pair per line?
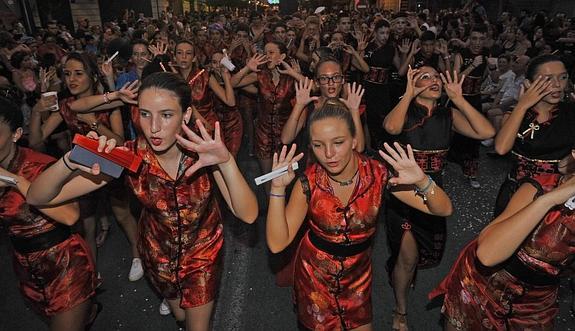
[324,80]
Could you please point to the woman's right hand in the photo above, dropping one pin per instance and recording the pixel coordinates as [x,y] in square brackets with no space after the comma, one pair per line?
[45,103]
[255,61]
[531,93]
[285,158]
[411,91]
[303,92]
[104,145]
[563,192]
[129,92]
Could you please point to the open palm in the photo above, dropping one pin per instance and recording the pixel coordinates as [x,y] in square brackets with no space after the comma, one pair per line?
[408,172]
[211,151]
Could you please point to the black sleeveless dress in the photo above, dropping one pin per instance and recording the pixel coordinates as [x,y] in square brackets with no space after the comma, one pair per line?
[465,150]
[430,137]
[537,151]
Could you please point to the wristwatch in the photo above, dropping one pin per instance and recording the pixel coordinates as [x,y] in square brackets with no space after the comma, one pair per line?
[94,126]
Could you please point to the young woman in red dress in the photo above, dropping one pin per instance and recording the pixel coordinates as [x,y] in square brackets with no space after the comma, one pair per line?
[275,81]
[508,277]
[180,230]
[55,268]
[340,198]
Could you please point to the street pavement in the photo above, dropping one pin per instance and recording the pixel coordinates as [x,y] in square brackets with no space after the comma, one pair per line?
[249,298]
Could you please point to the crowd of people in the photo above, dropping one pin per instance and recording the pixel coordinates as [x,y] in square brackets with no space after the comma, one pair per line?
[372,104]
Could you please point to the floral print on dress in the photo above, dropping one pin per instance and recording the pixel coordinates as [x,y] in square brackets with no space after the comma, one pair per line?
[334,293]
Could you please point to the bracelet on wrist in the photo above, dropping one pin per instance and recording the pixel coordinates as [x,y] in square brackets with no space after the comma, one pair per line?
[66,164]
[429,188]
[273,195]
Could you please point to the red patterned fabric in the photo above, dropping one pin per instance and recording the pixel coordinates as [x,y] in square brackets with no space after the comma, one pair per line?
[202,97]
[274,110]
[481,298]
[180,228]
[232,126]
[54,280]
[334,293]
[71,119]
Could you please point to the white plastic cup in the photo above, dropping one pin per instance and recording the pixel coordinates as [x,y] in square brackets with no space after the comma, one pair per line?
[56,106]
[227,63]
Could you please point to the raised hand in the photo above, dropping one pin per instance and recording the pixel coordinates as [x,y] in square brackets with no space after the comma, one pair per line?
[288,70]
[405,46]
[415,47]
[295,66]
[477,61]
[348,49]
[408,172]
[362,43]
[45,103]
[411,91]
[158,49]
[256,61]
[107,69]
[303,92]
[531,93]
[129,92]
[453,86]
[285,158]
[354,94]
[211,151]
[441,47]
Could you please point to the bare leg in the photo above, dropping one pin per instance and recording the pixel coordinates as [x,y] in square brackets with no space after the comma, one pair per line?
[198,318]
[74,319]
[178,312]
[121,210]
[89,229]
[402,278]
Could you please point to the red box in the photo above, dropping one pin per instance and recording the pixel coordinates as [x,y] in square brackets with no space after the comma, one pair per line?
[121,157]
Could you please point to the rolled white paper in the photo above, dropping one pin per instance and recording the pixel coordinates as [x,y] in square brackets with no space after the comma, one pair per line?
[275,174]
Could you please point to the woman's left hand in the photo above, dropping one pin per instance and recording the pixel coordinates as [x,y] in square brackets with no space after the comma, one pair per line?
[354,94]
[211,151]
[453,86]
[408,172]
[288,70]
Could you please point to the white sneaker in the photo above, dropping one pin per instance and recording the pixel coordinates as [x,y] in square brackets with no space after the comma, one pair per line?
[165,308]
[136,271]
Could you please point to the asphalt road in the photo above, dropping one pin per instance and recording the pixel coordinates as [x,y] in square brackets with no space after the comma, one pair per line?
[249,299]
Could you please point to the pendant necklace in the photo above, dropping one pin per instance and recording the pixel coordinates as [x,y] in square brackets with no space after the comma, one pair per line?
[345,182]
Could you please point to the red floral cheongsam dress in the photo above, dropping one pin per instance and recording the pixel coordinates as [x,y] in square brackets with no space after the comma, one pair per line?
[274,109]
[180,228]
[202,99]
[520,293]
[232,126]
[75,125]
[54,279]
[333,291]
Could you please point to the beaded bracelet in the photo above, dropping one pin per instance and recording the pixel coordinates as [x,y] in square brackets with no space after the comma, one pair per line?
[272,195]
